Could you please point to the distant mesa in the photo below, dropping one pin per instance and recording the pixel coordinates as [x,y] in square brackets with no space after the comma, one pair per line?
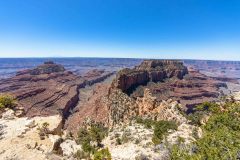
[49,62]
[149,71]
[47,68]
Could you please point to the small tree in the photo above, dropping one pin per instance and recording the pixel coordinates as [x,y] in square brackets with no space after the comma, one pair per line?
[103,154]
[43,130]
[86,136]
[161,128]
[7,101]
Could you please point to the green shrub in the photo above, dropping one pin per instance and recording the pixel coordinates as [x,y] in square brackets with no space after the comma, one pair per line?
[83,136]
[221,138]
[195,118]
[95,133]
[86,146]
[126,137]
[178,153]
[201,110]
[148,123]
[208,107]
[137,141]
[45,125]
[103,154]
[81,155]
[43,130]
[118,141]
[7,101]
[1,106]
[161,128]
[180,140]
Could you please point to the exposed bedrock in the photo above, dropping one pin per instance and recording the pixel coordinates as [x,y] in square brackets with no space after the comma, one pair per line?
[49,89]
[149,71]
[166,81]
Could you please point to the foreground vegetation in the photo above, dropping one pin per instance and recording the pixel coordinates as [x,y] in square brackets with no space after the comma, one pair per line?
[7,101]
[160,128]
[221,134]
[90,138]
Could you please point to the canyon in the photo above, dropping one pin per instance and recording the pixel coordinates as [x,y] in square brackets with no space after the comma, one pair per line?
[157,90]
[163,80]
[49,89]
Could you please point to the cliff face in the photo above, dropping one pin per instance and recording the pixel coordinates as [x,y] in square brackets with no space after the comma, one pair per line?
[154,89]
[123,108]
[48,89]
[149,71]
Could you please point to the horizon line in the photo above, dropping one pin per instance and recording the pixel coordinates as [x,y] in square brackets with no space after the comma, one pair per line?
[60,57]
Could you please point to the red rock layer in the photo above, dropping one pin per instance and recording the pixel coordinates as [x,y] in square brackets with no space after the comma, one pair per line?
[164,80]
[93,106]
[48,89]
[193,89]
[148,71]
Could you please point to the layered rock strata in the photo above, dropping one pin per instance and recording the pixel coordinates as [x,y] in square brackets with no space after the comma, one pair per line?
[149,71]
[155,86]
[126,108]
[92,105]
[48,89]
[21,139]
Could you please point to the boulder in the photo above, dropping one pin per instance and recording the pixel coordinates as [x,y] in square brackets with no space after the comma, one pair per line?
[70,147]
[8,115]
[56,141]
[19,113]
[30,123]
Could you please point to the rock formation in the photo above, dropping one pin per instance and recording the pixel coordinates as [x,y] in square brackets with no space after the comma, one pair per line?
[149,71]
[20,138]
[46,68]
[48,89]
[92,105]
[155,86]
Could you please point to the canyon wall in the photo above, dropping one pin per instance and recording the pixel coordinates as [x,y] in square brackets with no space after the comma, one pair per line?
[48,89]
[149,71]
[150,88]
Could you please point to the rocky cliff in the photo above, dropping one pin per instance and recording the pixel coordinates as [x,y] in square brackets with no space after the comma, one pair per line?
[149,71]
[151,88]
[48,89]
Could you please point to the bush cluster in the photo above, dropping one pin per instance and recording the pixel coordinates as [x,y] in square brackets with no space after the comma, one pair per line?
[43,131]
[88,136]
[160,128]
[202,110]
[81,155]
[102,154]
[221,139]
[7,101]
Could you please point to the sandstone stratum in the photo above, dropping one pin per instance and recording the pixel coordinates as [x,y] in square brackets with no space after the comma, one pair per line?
[141,91]
[49,89]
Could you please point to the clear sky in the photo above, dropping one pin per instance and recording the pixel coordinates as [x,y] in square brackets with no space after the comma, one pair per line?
[189,29]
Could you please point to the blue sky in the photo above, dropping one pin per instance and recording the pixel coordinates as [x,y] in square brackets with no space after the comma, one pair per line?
[189,29]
